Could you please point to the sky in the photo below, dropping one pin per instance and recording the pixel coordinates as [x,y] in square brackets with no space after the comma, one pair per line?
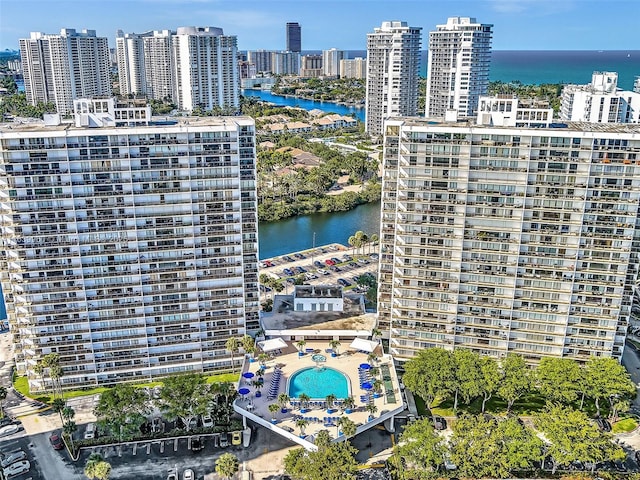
[343,24]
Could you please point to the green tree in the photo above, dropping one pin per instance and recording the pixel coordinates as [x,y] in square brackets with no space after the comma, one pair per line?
[3,397]
[122,409]
[559,379]
[421,446]
[483,446]
[185,396]
[227,465]
[97,468]
[283,400]
[335,461]
[334,344]
[323,439]
[69,428]
[301,423]
[490,379]
[516,379]
[300,344]
[233,346]
[468,377]
[606,378]
[273,408]
[430,374]
[58,405]
[346,426]
[248,344]
[573,437]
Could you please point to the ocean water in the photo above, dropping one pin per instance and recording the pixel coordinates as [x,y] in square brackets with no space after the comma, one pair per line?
[553,66]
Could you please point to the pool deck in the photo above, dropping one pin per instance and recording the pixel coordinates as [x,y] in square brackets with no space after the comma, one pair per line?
[289,362]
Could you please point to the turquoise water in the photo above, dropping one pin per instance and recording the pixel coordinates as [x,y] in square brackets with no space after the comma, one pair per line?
[318,383]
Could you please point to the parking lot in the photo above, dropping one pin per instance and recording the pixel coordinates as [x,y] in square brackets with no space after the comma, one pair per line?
[20,442]
[331,264]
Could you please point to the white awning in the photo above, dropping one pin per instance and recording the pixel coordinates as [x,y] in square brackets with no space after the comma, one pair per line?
[362,344]
[272,344]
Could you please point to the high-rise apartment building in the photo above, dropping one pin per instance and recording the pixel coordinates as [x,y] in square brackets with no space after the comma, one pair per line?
[393,62]
[131,66]
[129,251]
[261,59]
[158,65]
[509,239]
[458,69]
[311,66]
[285,63]
[294,37]
[601,101]
[354,68]
[206,70]
[331,62]
[60,68]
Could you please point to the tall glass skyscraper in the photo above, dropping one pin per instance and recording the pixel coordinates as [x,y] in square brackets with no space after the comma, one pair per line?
[294,37]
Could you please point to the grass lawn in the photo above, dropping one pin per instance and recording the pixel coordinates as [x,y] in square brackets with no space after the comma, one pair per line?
[22,385]
[625,425]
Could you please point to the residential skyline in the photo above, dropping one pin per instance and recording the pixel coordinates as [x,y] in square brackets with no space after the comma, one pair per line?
[519,25]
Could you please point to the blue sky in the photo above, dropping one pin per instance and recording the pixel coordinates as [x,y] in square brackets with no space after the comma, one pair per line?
[518,24]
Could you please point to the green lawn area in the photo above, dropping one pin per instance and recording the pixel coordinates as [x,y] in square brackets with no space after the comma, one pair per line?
[625,425]
[22,385]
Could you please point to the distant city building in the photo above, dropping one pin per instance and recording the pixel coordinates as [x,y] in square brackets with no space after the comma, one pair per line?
[206,68]
[601,101]
[393,63]
[508,239]
[131,67]
[285,63]
[311,66]
[15,66]
[130,251]
[458,68]
[160,73]
[331,62]
[261,59]
[355,68]
[294,37]
[60,68]
[510,111]
[636,85]
[247,69]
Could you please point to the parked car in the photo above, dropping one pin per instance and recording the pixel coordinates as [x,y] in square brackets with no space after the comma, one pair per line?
[439,423]
[56,441]
[299,255]
[17,468]
[224,440]
[207,421]
[13,458]
[329,262]
[353,265]
[334,268]
[172,474]
[318,264]
[9,430]
[216,440]
[375,256]
[364,261]
[287,271]
[196,444]
[343,282]
[347,258]
[236,438]
[188,474]
[288,258]
[90,432]
[323,272]
[156,425]
[335,260]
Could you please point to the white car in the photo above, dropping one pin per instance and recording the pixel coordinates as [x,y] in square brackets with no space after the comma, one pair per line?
[323,271]
[188,475]
[9,430]
[207,421]
[17,468]
[13,458]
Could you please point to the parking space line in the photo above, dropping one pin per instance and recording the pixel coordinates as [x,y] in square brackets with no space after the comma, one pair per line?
[161,447]
[135,449]
[148,448]
[175,445]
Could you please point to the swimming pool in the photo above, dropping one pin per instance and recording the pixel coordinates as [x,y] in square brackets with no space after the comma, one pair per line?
[318,383]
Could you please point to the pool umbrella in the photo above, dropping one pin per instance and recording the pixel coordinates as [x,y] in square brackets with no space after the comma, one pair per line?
[365,366]
[248,374]
[367,386]
[244,391]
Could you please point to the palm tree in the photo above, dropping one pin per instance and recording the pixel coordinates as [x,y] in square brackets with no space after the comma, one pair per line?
[376,334]
[334,344]
[323,439]
[227,465]
[374,239]
[58,405]
[372,358]
[233,346]
[301,423]
[273,408]
[372,409]
[3,396]
[300,344]
[348,403]
[262,359]
[248,345]
[377,386]
[304,400]
[283,399]
[330,399]
[347,426]
[69,428]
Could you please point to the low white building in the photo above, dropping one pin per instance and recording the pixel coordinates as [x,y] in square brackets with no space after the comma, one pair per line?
[510,111]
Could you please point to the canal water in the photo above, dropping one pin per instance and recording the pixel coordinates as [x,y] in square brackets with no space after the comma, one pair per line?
[329,107]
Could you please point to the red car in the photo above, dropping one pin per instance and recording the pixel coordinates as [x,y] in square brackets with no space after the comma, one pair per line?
[56,441]
[329,262]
